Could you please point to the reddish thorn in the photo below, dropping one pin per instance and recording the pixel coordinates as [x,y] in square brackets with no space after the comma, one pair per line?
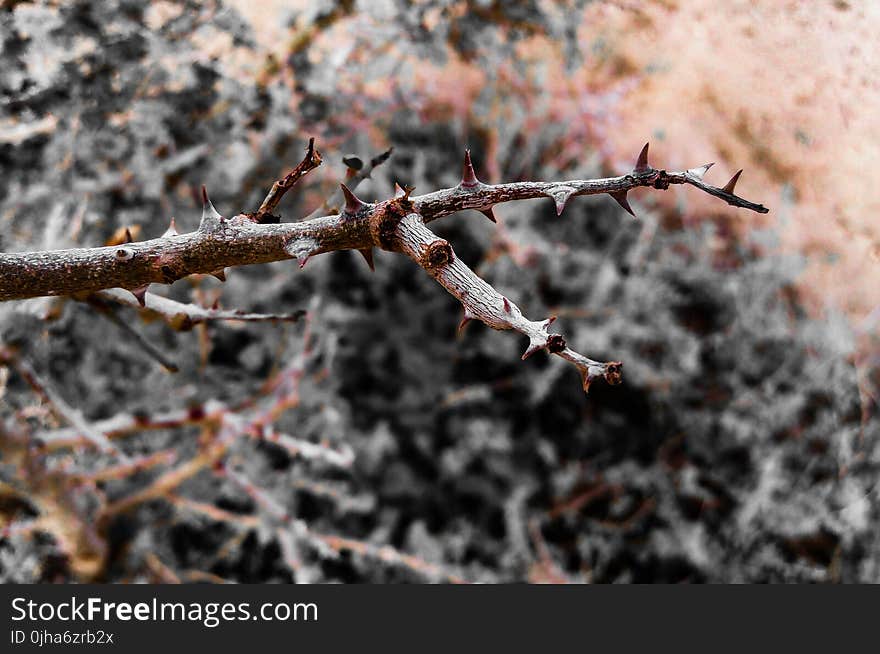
[560,205]
[220,274]
[367,254]
[140,294]
[302,260]
[620,196]
[468,176]
[128,238]
[353,203]
[398,191]
[489,214]
[216,305]
[642,162]
[728,188]
[549,322]
[587,380]
[205,199]
[506,304]
[465,320]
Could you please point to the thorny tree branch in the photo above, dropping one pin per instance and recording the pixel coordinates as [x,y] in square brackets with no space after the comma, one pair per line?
[397,224]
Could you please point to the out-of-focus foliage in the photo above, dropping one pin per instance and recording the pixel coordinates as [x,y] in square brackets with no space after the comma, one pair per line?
[741,446]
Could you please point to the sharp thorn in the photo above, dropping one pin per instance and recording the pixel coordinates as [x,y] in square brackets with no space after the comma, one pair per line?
[560,196]
[700,171]
[642,162]
[302,260]
[489,214]
[587,380]
[128,238]
[398,191]
[172,229]
[728,188]
[353,203]
[209,213]
[506,304]
[468,176]
[548,322]
[620,197]
[468,316]
[367,253]
[216,305]
[220,274]
[533,347]
[140,294]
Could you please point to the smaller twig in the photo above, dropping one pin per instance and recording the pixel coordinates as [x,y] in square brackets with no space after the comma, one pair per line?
[105,310]
[311,161]
[59,405]
[183,317]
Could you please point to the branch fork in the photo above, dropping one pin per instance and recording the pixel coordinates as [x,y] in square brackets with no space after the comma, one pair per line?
[397,224]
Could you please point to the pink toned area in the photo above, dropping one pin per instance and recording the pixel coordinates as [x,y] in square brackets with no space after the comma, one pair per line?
[786,90]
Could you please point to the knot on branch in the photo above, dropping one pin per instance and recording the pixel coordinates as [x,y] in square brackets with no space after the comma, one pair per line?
[386,218]
[613,372]
[555,343]
[436,254]
[124,254]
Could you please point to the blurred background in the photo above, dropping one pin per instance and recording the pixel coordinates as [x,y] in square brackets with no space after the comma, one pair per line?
[742,444]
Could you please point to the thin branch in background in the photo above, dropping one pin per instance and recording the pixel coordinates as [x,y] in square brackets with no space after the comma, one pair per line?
[58,404]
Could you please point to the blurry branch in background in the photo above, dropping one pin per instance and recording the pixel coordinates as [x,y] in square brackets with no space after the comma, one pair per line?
[397,224]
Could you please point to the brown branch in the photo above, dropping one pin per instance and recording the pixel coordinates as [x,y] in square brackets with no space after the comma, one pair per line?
[219,242]
[395,224]
[311,161]
[483,302]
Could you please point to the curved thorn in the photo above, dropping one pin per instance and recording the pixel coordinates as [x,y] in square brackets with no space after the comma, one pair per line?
[468,316]
[220,274]
[506,304]
[140,294]
[728,188]
[128,238]
[533,347]
[353,203]
[489,214]
[367,254]
[700,171]
[620,197]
